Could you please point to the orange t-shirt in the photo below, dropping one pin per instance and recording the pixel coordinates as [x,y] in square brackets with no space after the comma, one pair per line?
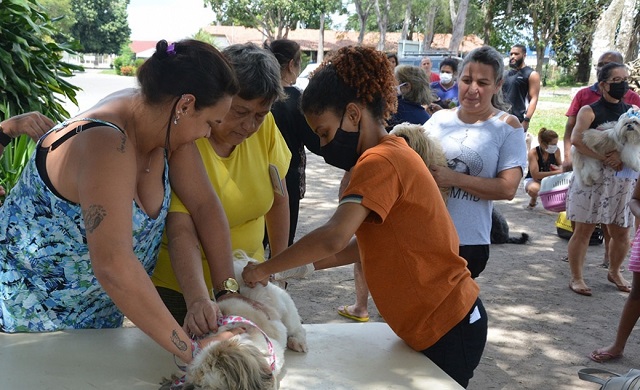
[408,245]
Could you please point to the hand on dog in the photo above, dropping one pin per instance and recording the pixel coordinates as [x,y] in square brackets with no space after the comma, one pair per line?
[612,159]
[252,274]
[444,177]
[202,317]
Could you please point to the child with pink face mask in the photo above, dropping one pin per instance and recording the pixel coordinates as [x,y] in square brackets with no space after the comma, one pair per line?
[544,160]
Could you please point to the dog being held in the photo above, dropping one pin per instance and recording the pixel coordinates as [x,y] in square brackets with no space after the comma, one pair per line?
[622,136]
[427,146]
[246,361]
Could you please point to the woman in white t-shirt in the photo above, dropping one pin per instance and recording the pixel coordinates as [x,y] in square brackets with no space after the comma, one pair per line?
[485,151]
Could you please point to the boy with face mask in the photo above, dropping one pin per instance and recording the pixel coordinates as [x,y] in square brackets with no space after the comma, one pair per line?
[447,88]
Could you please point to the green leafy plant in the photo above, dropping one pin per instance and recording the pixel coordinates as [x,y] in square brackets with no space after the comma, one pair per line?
[32,76]
[14,159]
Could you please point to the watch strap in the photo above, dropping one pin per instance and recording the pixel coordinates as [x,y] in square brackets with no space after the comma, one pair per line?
[221,293]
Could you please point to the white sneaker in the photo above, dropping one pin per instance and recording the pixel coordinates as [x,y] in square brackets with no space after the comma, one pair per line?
[295,273]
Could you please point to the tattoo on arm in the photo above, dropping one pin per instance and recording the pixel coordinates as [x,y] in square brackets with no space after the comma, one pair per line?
[93,216]
[175,339]
[123,143]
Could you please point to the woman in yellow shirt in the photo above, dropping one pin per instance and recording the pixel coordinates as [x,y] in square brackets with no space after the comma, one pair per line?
[246,160]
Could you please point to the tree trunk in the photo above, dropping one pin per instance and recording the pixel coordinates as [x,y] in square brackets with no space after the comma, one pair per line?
[487,26]
[321,40]
[625,33]
[382,14]
[428,28]
[605,32]
[407,21]
[544,14]
[458,25]
[584,64]
[633,46]
[363,11]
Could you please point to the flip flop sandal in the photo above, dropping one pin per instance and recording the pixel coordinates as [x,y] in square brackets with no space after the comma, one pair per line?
[344,311]
[603,356]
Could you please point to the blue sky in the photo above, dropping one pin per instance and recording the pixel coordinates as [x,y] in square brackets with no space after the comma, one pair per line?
[152,20]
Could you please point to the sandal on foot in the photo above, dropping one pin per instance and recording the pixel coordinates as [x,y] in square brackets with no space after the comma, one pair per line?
[582,291]
[621,287]
[344,311]
[603,356]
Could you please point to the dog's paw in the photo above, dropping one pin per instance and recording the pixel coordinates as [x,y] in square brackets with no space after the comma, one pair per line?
[297,344]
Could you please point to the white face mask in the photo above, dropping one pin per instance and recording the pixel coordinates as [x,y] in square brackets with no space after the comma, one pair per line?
[551,149]
[445,78]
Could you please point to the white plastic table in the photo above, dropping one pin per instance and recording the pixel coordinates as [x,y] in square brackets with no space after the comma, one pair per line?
[341,356]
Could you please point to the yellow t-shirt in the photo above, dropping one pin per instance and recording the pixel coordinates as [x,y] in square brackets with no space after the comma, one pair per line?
[243,183]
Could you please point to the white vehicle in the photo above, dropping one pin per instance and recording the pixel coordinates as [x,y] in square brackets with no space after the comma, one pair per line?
[303,80]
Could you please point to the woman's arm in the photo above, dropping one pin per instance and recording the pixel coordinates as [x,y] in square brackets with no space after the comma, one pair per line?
[583,121]
[105,181]
[207,225]
[327,240]
[503,186]
[277,221]
[33,124]
[349,255]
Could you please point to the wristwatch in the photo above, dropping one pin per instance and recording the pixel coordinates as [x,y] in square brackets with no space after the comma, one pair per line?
[230,285]
[4,139]
[526,119]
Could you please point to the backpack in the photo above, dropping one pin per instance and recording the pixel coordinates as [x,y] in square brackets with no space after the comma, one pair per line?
[615,381]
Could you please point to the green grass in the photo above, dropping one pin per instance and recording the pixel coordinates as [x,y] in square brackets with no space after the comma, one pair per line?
[552,105]
[550,118]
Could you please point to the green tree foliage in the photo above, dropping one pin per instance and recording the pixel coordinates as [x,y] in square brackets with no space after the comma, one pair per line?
[273,17]
[101,25]
[59,11]
[32,74]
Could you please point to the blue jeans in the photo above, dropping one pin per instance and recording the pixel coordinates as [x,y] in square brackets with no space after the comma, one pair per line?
[459,351]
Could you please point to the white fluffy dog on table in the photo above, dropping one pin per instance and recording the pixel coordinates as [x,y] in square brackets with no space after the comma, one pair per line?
[253,359]
[623,136]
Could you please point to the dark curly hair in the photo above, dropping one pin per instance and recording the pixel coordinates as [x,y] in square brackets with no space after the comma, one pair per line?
[187,66]
[352,74]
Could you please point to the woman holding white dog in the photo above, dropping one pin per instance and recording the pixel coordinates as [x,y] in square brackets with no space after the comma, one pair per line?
[419,283]
[485,150]
[606,201]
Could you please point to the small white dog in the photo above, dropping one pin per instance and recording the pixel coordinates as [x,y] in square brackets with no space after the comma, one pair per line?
[254,359]
[623,136]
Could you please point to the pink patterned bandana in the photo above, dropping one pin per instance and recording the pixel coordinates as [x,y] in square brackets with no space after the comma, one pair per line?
[233,320]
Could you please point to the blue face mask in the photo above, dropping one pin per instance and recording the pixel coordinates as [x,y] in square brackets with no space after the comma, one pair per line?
[342,150]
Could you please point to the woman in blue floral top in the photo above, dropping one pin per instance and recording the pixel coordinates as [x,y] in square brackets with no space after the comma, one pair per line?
[80,232]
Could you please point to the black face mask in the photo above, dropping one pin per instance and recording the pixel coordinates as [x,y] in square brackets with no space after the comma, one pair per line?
[342,150]
[516,64]
[618,90]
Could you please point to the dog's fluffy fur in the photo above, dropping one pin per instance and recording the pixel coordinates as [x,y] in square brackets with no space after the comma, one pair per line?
[623,136]
[241,362]
[427,146]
